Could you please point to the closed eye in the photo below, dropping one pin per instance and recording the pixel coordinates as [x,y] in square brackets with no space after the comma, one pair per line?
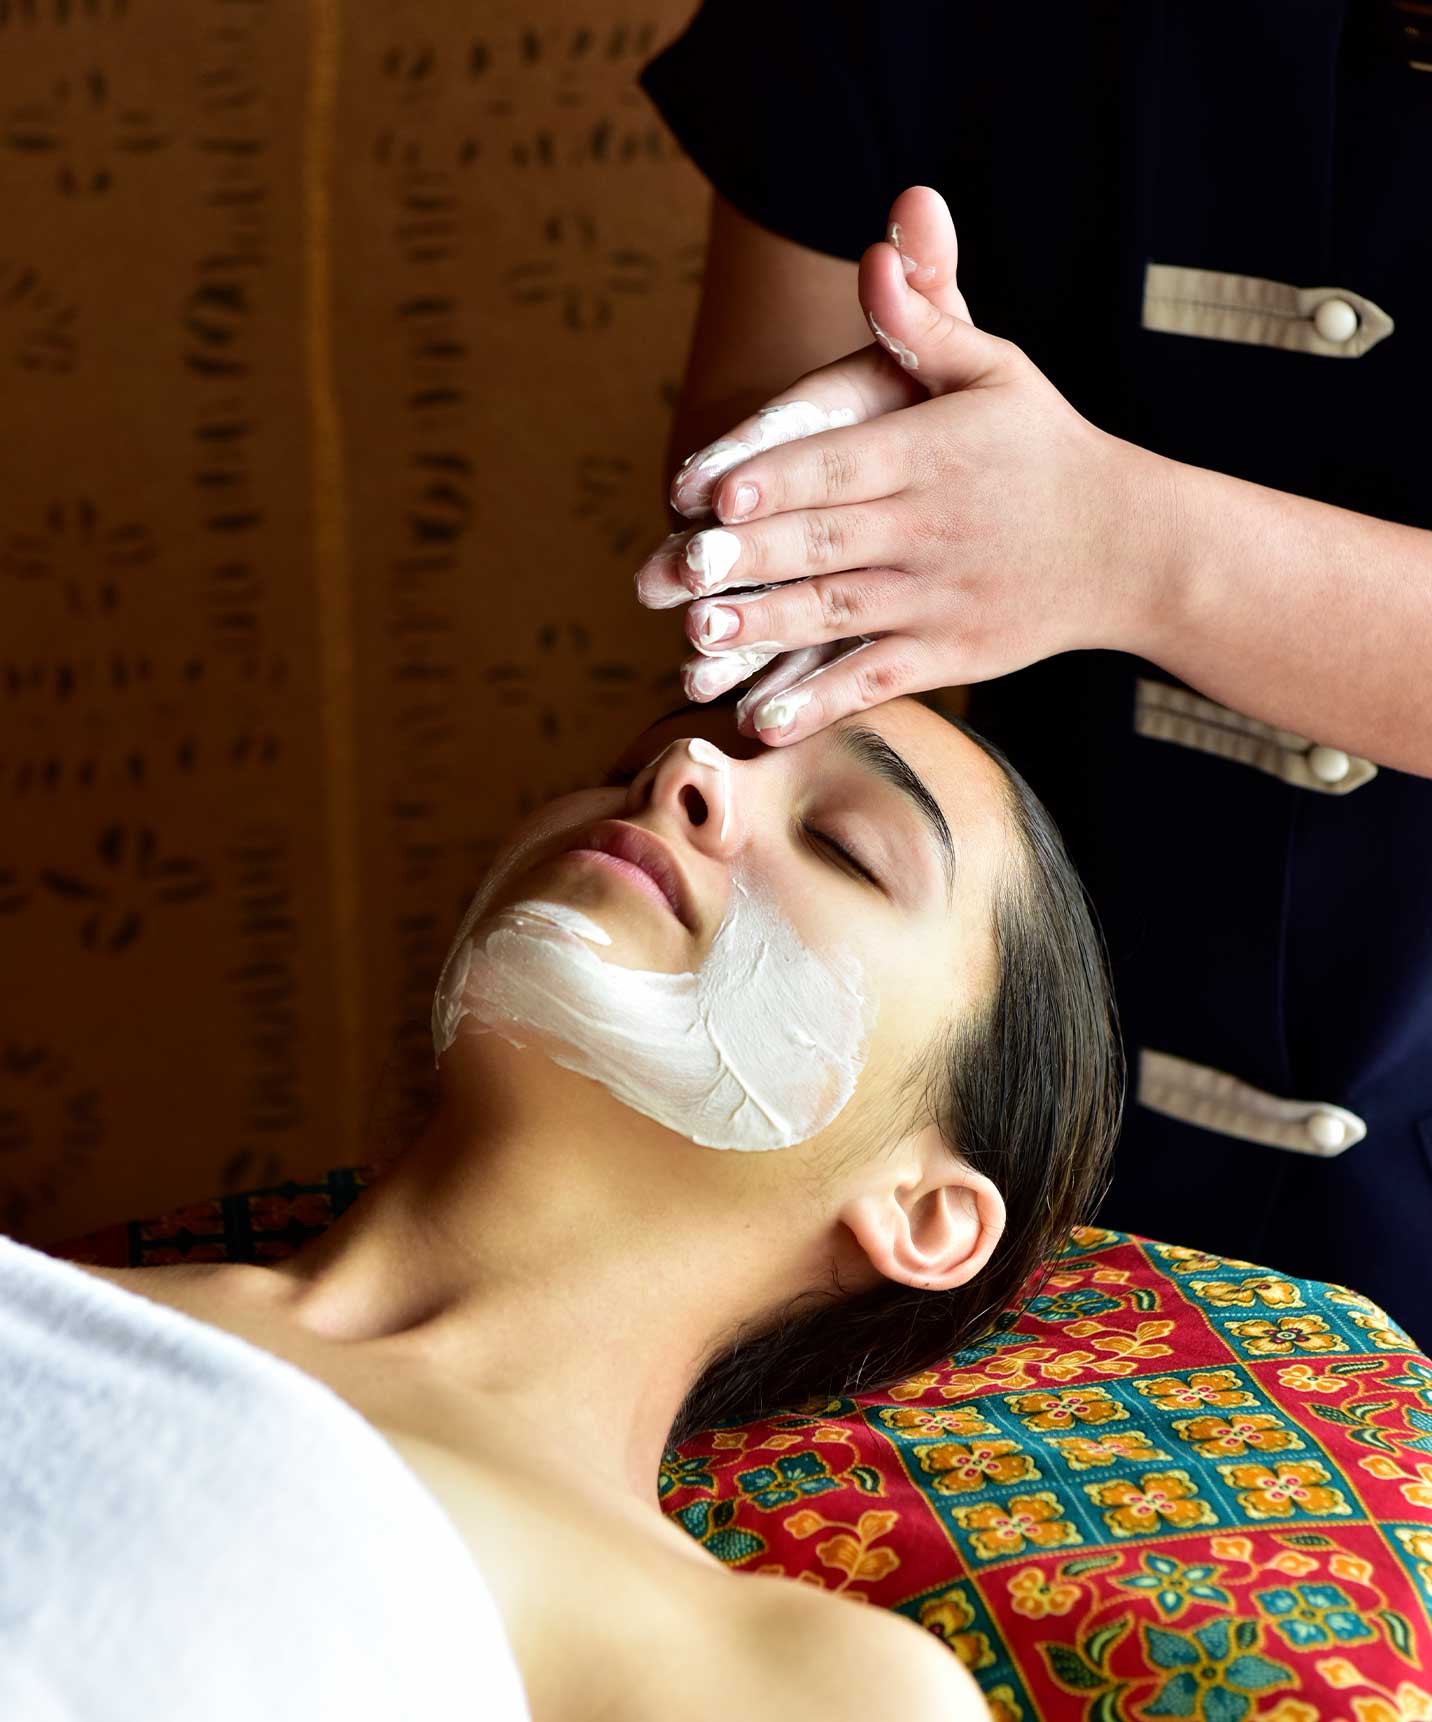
[617,777]
[829,842]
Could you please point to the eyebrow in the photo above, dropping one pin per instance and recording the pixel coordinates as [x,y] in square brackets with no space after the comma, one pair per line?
[871,750]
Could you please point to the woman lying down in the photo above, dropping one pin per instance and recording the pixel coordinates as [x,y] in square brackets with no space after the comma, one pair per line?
[765,1073]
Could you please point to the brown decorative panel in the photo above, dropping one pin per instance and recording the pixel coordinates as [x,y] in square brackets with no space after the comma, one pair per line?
[338,343]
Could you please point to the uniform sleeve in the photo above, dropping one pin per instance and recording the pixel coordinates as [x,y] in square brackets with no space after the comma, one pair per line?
[810,116]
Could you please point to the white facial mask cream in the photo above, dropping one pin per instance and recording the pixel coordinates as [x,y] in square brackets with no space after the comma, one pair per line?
[760,1048]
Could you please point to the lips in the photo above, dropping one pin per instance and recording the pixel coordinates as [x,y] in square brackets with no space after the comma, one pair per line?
[631,843]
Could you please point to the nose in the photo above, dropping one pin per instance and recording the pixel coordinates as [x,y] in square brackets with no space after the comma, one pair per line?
[690,783]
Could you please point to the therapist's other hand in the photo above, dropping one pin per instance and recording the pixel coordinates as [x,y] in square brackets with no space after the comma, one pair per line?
[926,512]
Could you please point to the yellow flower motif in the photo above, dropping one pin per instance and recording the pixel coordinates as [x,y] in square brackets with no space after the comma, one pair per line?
[1301,1377]
[1186,1261]
[1383,1338]
[1231,1437]
[1414,1703]
[1267,1288]
[1088,1236]
[1420,1494]
[967,1383]
[1278,1491]
[1002,1704]
[1167,1496]
[1088,1452]
[1015,1362]
[1111,1276]
[1059,1410]
[935,1420]
[1378,1465]
[1417,1542]
[1033,1596]
[1339,1672]
[1139,1343]
[1290,1561]
[913,1386]
[1032,1519]
[959,1466]
[1233,1549]
[1353,1569]
[1204,1387]
[1005,1369]
[1289,1710]
[1068,1364]
[949,1617]
[1277,1339]
[1371,1709]
[948,1614]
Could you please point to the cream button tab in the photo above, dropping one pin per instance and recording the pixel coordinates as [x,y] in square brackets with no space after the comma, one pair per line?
[1330,764]
[1335,320]
[1327,1130]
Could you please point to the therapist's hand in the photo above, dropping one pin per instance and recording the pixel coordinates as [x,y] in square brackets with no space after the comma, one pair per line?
[929,512]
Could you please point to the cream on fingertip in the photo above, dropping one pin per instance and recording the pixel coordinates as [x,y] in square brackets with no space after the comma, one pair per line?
[711,555]
[780,709]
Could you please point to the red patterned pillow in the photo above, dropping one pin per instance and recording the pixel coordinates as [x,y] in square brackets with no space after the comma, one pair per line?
[1174,1486]
[1177,1486]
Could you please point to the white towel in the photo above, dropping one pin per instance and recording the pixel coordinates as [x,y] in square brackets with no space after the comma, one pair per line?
[192,1527]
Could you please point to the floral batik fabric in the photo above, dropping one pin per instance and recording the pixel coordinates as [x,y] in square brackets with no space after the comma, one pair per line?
[1173,1485]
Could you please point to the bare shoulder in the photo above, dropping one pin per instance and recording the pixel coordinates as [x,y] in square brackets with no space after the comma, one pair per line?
[817,1655]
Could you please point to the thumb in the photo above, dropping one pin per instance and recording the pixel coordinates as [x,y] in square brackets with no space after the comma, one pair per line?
[924,327]
[922,230]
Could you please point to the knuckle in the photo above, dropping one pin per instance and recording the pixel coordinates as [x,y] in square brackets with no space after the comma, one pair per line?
[836,467]
[824,536]
[838,608]
[875,683]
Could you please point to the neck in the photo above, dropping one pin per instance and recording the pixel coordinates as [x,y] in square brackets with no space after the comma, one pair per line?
[547,1252]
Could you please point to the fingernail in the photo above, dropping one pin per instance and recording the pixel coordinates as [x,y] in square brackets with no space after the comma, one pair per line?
[716,621]
[710,556]
[779,712]
[743,502]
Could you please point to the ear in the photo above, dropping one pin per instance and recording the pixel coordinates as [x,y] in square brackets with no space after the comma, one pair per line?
[926,1219]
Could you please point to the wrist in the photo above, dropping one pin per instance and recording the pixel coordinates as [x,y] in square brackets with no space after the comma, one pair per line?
[1157,554]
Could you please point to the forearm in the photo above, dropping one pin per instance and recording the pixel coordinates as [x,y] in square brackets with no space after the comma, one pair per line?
[1310,618]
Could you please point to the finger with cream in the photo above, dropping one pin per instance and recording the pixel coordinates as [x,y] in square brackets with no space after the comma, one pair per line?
[785,422]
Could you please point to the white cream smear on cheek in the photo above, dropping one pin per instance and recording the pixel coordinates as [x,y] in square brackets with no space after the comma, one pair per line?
[760,1048]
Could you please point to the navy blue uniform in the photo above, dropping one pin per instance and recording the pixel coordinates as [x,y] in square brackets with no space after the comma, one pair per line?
[1211,227]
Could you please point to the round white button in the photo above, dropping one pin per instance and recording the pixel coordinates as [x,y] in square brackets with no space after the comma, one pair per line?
[1327,1130]
[1329,763]
[1335,320]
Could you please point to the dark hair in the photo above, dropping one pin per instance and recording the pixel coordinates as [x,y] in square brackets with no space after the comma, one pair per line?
[1028,1089]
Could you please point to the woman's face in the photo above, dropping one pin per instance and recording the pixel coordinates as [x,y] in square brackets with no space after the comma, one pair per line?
[878,838]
